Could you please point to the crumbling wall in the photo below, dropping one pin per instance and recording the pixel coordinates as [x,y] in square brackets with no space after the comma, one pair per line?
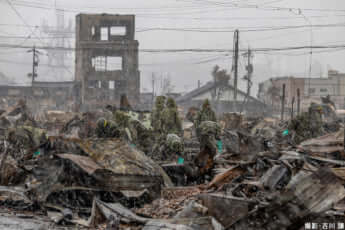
[107,58]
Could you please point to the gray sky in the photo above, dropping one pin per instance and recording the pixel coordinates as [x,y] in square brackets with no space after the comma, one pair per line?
[187,68]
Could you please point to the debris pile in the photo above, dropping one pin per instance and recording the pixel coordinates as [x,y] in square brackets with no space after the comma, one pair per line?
[123,169]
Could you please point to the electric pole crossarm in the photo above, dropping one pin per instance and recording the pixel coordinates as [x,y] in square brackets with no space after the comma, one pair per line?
[236,44]
[35,61]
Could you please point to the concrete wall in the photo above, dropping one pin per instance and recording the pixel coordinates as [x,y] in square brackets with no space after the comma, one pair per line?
[41,98]
[321,87]
[107,60]
[312,89]
[291,86]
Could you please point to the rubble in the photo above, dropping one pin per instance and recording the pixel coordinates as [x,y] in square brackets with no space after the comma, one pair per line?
[245,174]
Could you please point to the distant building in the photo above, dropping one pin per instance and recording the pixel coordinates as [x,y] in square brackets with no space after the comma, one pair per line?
[221,97]
[311,89]
[270,91]
[42,95]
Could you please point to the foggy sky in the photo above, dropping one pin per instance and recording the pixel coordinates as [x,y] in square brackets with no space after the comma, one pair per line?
[186,69]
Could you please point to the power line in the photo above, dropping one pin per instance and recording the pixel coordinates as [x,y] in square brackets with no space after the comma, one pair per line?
[180,10]
[40,3]
[236,18]
[204,30]
[243,29]
[22,19]
[184,50]
[275,8]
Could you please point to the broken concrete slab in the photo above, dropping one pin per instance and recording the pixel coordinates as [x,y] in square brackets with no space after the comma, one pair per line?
[226,209]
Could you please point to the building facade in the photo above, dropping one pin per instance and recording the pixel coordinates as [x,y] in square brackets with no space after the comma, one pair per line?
[106,59]
[311,90]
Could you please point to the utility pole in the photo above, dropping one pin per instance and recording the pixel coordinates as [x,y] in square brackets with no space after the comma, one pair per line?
[35,61]
[283,104]
[153,88]
[298,101]
[248,77]
[292,106]
[250,70]
[236,47]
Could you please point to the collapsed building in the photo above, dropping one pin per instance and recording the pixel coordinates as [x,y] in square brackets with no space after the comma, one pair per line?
[72,177]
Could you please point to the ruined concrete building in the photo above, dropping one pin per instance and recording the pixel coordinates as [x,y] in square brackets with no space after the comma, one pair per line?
[106,68]
[106,59]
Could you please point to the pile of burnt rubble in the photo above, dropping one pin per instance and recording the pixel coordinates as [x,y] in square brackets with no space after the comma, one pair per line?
[56,174]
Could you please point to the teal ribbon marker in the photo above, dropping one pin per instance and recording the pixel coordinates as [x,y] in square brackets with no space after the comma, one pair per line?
[220,146]
[285,132]
[180,161]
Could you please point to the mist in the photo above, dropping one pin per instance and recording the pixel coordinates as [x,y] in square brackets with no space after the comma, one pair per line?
[24,19]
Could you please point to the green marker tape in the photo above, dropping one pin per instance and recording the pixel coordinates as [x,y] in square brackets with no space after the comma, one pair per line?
[286,132]
[220,146]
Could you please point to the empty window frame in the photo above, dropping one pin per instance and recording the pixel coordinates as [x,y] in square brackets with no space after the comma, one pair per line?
[104,34]
[93,31]
[106,63]
[118,31]
[312,90]
[99,63]
[323,90]
[111,84]
[114,63]
[93,84]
